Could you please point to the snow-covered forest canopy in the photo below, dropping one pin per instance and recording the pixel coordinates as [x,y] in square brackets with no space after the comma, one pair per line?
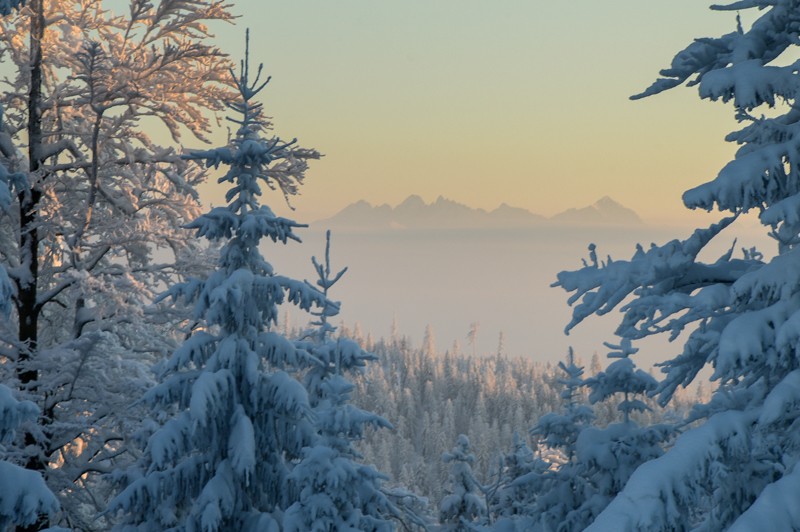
[147,383]
[432,396]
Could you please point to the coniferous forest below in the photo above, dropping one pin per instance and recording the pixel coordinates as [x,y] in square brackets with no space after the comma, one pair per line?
[431,397]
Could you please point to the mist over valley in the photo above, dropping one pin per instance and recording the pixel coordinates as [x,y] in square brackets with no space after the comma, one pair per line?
[423,270]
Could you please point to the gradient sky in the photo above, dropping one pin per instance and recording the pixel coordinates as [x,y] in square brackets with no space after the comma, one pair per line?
[487,101]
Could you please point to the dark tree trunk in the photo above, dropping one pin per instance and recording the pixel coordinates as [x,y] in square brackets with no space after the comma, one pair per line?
[27,307]
[28,283]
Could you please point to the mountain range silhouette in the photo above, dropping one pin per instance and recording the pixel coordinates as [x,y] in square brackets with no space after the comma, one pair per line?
[414,213]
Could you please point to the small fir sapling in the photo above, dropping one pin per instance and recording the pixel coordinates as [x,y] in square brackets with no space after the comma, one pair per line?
[560,492]
[610,455]
[560,431]
[464,508]
[333,490]
[622,377]
[521,469]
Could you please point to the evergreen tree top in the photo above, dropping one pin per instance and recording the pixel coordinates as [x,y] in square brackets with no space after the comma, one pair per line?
[251,158]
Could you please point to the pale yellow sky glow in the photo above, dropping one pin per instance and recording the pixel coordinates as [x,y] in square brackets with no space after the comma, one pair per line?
[484,102]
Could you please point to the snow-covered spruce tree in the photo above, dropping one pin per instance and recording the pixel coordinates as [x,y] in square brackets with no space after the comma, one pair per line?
[333,491]
[570,491]
[464,507]
[739,468]
[7,6]
[560,431]
[235,416]
[511,504]
[608,456]
[24,496]
[95,225]
[557,495]
[622,377]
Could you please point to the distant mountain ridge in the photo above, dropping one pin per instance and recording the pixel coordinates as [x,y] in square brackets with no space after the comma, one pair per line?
[414,213]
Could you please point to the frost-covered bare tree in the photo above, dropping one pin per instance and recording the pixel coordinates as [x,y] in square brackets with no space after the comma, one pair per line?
[94,231]
[736,467]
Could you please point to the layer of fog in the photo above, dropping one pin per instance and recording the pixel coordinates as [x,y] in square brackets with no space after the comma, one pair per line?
[498,278]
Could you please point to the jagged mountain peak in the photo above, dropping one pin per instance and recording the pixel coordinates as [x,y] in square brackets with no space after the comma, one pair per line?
[413,201]
[605,211]
[444,213]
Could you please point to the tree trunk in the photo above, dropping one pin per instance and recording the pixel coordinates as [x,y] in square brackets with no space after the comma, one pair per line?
[27,308]
[28,283]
